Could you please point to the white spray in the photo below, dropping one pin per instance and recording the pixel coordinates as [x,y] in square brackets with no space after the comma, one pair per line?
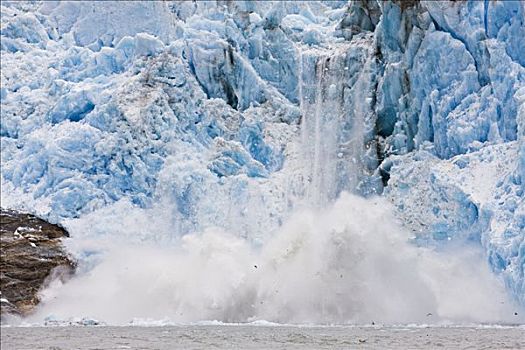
[348,264]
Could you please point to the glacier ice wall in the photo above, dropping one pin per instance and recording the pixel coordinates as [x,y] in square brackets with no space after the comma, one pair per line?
[101,119]
[455,170]
[230,114]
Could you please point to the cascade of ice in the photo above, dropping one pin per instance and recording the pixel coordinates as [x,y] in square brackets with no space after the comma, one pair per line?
[333,88]
[321,112]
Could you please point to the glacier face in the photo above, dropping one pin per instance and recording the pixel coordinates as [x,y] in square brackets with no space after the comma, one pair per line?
[229,114]
[459,109]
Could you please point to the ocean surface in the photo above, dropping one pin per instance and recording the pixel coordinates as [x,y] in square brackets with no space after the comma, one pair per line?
[261,337]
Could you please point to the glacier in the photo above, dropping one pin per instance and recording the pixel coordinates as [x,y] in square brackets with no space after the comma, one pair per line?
[235,114]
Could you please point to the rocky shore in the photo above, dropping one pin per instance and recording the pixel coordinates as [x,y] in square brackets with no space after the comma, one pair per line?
[31,254]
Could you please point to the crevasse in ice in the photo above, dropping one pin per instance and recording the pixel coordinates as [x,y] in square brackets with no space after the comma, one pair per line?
[232,111]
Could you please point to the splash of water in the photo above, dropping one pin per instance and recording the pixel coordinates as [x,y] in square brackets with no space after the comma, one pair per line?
[348,264]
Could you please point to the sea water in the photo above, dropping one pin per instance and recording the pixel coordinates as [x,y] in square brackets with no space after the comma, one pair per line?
[262,337]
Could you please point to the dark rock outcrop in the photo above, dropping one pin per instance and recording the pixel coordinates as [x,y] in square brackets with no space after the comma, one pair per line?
[31,254]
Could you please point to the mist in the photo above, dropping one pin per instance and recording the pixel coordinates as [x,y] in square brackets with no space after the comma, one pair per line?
[351,263]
